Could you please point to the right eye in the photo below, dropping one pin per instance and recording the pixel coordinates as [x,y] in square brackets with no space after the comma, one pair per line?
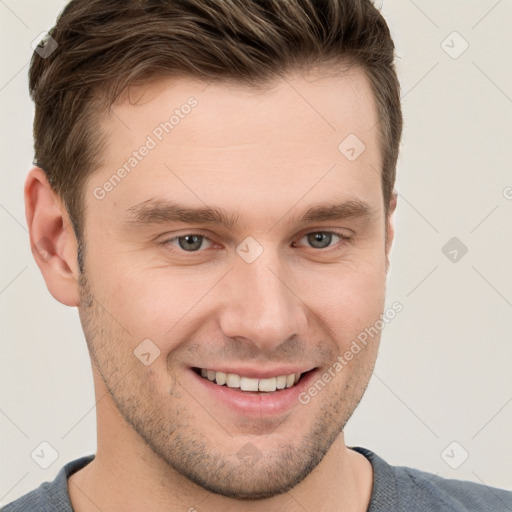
[191,242]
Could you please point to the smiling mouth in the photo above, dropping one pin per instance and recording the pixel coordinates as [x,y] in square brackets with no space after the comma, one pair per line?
[233,380]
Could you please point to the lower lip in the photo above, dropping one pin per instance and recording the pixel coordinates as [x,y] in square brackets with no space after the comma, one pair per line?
[257,404]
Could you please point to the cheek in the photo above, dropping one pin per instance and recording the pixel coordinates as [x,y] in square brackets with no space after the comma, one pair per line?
[347,297]
[123,289]
[152,301]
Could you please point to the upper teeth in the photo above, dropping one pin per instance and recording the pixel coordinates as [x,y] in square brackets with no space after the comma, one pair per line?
[232,380]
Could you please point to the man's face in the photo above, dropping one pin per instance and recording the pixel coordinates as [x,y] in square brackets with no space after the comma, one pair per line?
[290,298]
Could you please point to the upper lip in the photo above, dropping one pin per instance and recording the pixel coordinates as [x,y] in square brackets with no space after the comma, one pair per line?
[258,373]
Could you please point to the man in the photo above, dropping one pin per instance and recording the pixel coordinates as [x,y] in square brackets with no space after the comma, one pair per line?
[213,190]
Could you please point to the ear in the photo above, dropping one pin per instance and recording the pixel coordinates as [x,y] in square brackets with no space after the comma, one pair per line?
[390,224]
[52,238]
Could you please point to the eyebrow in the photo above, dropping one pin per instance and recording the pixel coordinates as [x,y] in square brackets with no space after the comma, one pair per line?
[159,211]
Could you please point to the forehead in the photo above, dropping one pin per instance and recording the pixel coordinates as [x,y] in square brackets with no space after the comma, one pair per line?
[303,138]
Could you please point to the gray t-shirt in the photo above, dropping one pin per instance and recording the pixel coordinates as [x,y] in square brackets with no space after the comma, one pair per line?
[395,489]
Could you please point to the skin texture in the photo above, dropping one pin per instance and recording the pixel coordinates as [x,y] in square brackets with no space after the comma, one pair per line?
[265,157]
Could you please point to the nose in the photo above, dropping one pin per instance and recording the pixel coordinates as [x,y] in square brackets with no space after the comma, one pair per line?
[261,305]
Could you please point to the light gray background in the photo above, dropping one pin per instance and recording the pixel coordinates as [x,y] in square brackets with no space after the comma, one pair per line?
[443,372]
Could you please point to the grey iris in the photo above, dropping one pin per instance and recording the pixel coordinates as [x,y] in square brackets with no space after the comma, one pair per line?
[190,242]
[320,240]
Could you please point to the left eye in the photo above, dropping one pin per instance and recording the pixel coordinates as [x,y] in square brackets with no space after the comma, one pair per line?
[322,239]
[194,242]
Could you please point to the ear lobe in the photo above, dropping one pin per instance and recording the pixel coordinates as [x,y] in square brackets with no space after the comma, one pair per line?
[52,238]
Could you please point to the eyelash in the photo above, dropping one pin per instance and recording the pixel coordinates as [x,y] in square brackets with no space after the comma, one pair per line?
[168,241]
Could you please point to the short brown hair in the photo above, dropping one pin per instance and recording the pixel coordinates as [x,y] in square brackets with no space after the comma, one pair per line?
[103,46]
